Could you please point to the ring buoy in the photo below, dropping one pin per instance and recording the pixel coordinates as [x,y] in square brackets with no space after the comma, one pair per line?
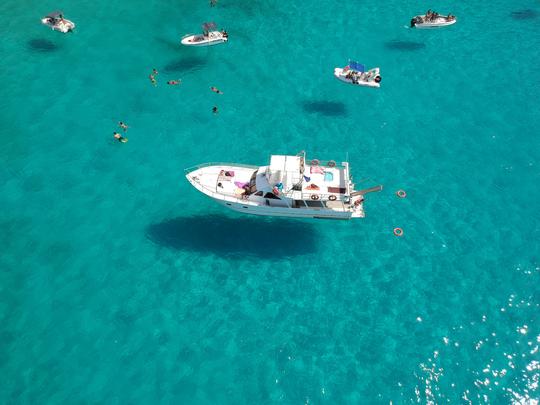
[401,193]
[398,231]
[332,198]
[315,197]
[315,162]
[331,163]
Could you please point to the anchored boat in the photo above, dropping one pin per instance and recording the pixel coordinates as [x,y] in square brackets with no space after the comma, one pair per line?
[57,22]
[432,20]
[290,186]
[355,73]
[209,36]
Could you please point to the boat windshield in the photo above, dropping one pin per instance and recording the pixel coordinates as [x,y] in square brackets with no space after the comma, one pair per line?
[55,15]
[252,183]
[209,26]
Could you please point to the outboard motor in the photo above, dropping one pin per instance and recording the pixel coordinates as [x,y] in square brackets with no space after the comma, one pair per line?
[413,22]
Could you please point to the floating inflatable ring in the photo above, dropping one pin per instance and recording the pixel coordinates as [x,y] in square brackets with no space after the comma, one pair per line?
[332,198]
[401,193]
[315,162]
[331,163]
[398,231]
[315,197]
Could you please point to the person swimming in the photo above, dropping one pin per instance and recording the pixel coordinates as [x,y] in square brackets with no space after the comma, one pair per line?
[216,90]
[174,82]
[119,137]
[153,79]
[154,71]
[214,110]
[123,126]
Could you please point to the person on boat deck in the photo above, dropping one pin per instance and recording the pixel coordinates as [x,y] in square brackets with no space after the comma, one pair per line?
[224,33]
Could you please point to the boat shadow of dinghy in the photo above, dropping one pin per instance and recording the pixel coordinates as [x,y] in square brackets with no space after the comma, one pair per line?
[328,108]
[527,14]
[42,45]
[187,64]
[233,237]
[398,45]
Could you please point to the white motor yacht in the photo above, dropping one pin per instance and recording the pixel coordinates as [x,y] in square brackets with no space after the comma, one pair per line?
[57,22]
[432,20]
[355,73]
[209,36]
[290,186]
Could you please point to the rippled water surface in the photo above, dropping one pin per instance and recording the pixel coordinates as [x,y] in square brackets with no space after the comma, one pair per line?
[120,283]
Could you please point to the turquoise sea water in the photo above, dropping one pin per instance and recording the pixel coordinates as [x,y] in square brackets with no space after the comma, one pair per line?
[120,283]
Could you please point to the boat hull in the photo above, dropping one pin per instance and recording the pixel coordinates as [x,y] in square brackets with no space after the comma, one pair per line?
[285,212]
[214,38]
[204,180]
[338,73]
[65,27]
[441,22]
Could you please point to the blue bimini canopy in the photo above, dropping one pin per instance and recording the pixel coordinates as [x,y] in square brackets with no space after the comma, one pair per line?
[357,66]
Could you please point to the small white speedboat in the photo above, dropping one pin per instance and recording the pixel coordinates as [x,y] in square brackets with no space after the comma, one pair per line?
[209,36]
[355,73]
[57,22]
[432,20]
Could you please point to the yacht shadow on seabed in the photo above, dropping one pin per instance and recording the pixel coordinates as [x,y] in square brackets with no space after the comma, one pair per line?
[236,237]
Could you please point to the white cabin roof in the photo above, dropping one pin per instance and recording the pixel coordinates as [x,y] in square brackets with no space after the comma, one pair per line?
[284,169]
[285,163]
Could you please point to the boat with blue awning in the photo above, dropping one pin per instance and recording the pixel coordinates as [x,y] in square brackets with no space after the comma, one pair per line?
[355,73]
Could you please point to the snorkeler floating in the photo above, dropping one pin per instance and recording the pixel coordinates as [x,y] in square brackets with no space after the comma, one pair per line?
[174,82]
[123,125]
[216,90]
[153,75]
[214,110]
[119,137]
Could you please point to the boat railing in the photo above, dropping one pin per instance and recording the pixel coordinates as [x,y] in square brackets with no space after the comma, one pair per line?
[200,166]
[213,193]
[324,163]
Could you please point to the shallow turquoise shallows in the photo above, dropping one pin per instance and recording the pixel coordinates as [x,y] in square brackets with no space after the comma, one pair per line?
[122,284]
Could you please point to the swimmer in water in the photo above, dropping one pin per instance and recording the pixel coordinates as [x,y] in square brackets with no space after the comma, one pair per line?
[123,126]
[119,137]
[216,90]
[154,71]
[214,110]
[153,79]
[174,82]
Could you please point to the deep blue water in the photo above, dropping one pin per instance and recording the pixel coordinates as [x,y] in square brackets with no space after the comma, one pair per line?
[120,283]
